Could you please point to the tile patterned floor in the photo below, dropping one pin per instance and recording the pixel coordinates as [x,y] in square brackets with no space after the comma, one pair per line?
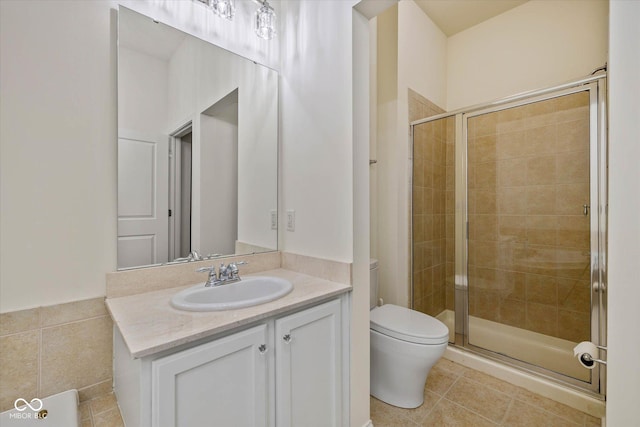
[101,412]
[453,396]
[458,396]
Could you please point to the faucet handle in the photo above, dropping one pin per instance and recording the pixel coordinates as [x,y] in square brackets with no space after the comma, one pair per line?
[233,267]
[212,274]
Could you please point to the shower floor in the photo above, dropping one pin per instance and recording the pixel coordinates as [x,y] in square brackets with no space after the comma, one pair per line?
[459,396]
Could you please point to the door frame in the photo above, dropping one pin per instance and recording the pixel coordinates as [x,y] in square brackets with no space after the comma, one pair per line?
[175,140]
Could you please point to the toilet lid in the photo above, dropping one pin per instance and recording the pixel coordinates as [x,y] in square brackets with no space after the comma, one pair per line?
[408,325]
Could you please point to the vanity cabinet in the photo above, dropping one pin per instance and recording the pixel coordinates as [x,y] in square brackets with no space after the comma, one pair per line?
[223,382]
[309,367]
[288,370]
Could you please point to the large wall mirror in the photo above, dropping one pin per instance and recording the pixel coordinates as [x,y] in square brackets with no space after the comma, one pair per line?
[197,147]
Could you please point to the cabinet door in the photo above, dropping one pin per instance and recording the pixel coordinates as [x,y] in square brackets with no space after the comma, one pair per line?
[220,383]
[309,367]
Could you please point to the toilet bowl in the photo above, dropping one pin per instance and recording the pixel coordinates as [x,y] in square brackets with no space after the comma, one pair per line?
[405,344]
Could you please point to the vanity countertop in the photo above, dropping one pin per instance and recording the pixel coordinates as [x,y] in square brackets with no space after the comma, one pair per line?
[149,324]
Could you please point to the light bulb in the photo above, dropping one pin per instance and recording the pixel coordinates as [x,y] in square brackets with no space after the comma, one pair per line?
[224,8]
[266,21]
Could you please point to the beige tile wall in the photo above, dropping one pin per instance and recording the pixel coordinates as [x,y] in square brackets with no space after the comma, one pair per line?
[432,208]
[47,350]
[529,240]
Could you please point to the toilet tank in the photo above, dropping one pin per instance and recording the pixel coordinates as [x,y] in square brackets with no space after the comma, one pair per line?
[373,283]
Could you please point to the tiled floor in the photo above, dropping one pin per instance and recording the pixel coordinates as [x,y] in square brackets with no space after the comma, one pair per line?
[101,412]
[453,396]
[458,396]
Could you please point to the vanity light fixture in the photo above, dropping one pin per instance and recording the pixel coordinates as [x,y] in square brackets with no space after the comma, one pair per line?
[224,8]
[265,18]
[265,21]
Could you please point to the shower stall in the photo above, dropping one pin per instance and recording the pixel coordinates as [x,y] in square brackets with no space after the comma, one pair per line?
[508,227]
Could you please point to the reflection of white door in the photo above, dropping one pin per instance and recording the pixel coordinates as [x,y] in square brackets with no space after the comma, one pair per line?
[143,181]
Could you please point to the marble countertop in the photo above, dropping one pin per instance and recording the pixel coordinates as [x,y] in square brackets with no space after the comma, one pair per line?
[149,324]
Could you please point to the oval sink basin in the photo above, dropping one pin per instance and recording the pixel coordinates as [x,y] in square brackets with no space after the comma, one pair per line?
[247,292]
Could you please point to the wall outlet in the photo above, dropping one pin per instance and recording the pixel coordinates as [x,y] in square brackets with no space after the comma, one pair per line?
[291,220]
[274,219]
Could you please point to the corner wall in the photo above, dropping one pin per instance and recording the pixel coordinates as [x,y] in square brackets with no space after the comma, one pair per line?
[536,45]
[411,55]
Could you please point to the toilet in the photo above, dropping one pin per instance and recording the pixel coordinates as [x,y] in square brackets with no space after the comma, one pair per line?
[405,344]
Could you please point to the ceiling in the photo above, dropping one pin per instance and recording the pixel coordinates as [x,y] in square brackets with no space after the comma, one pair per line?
[453,16]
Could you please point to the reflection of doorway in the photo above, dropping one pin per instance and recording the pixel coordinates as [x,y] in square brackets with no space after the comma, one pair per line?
[218,205]
[203,182]
[180,192]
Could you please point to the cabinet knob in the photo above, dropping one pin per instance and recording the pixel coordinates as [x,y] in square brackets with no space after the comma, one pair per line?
[287,338]
[262,349]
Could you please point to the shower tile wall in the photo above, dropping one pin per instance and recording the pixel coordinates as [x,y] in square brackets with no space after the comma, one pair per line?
[432,197]
[528,180]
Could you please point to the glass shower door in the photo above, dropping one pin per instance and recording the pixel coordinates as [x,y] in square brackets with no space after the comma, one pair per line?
[530,230]
[432,219]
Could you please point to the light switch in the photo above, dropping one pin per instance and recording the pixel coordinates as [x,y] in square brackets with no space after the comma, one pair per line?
[274,219]
[291,220]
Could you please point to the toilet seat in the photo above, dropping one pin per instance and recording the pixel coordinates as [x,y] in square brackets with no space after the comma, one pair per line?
[408,325]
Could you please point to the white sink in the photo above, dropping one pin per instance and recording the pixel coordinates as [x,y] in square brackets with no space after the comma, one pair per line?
[247,292]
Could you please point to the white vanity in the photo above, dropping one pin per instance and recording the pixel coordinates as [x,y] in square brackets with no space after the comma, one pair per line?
[283,363]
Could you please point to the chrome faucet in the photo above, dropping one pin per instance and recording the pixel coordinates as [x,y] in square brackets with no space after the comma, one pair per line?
[193,256]
[227,274]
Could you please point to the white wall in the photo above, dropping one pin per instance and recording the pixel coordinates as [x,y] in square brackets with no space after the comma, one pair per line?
[360,272]
[422,55]
[258,157]
[623,371]
[386,169]
[411,55]
[539,44]
[142,92]
[316,128]
[219,179]
[181,86]
[321,96]
[58,151]
[373,137]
